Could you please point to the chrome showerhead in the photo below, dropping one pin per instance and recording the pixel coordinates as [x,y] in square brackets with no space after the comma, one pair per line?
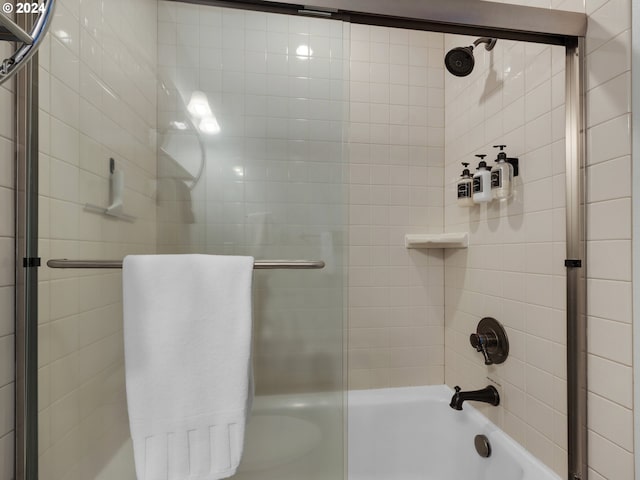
[460,62]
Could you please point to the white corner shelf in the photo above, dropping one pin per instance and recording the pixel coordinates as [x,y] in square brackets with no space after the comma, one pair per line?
[436,240]
[109,211]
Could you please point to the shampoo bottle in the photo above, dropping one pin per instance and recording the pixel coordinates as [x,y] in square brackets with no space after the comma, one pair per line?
[465,188]
[501,176]
[482,182]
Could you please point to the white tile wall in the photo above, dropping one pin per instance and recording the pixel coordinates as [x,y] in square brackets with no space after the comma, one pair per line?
[608,193]
[396,157]
[609,237]
[98,100]
[513,269]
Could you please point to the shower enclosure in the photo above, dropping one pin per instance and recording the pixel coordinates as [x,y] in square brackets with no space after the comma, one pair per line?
[224,128]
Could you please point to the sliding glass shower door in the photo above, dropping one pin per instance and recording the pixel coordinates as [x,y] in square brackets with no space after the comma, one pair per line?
[169,127]
[250,152]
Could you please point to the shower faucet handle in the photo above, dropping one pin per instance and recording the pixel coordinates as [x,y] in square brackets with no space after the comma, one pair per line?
[480,341]
[491,340]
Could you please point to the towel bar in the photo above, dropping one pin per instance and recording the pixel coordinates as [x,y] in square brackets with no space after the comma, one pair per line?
[258,265]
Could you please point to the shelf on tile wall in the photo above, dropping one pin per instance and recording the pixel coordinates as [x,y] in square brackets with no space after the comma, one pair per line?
[436,240]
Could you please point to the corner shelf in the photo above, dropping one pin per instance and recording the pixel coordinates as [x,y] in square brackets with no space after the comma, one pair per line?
[436,240]
[109,211]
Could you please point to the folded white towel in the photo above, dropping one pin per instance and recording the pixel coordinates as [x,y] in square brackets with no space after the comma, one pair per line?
[187,332]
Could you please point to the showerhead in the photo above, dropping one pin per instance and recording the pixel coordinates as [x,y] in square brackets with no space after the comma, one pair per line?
[460,62]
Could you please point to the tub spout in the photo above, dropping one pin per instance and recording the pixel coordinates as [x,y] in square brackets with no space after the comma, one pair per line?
[489,395]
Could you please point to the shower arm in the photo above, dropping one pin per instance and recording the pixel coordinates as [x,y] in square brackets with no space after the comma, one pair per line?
[489,43]
[30,41]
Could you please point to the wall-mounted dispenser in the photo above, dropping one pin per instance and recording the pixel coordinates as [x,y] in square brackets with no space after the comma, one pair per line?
[465,188]
[502,176]
[482,182]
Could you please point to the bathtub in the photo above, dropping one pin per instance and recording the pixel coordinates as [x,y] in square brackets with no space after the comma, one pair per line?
[393,434]
[412,433]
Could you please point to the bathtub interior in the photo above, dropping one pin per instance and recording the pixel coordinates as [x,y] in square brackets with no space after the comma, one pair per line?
[412,433]
[288,436]
[292,436]
[407,433]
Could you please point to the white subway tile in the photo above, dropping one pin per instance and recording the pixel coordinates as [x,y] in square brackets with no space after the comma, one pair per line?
[609,60]
[609,100]
[540,416]
[538,132]
[538,101]
[610,220]
[609,180]
[7,360]
[611,380]
[609,140]
[609,459]
[67,29]
[379,34]
[606,21]
[7,455]
[538,68]
[609,260]
[65,64]
[611,421]
[609,299]
[7,254]
[610,339]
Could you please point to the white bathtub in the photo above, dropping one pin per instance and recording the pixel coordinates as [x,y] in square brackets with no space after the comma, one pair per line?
[412,433]
[393,434]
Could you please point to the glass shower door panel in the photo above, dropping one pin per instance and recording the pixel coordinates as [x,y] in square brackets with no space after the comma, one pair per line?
[251,162]
[97,103]
[227,127]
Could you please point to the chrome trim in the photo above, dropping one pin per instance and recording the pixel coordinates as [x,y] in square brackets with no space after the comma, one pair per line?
[10,66]
[26,291]
[257,265]
[576,250]
[15,30]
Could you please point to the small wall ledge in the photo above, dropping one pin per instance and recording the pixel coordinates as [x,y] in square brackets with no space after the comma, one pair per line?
[436,240]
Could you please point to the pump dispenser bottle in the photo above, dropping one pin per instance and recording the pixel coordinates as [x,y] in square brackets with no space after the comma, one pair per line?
[502,176]
[482,182]
[465,188]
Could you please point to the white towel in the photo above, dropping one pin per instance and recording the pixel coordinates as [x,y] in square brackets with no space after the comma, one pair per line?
[187,332]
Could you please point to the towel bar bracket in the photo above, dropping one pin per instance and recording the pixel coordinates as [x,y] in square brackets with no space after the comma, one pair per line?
[31,262]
